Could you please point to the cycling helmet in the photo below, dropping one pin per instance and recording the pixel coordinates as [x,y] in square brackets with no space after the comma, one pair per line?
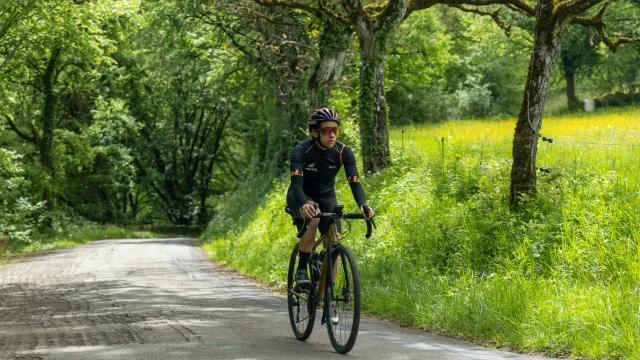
[320,115]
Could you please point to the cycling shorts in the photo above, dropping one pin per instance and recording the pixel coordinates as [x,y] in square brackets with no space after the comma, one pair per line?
[327,202]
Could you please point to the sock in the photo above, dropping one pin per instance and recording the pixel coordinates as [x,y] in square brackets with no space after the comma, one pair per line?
[304,260]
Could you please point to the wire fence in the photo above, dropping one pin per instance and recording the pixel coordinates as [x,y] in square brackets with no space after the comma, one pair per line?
[552,141]
[595,143]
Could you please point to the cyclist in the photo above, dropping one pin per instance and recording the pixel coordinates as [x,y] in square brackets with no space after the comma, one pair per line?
[314,165]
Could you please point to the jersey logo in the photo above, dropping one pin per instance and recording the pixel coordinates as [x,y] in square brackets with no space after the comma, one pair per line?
[332,166]
[311,165]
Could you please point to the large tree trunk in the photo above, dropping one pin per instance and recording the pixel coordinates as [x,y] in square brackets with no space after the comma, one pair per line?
[548,33]
[571,89]
[48,123]
[368,73]
[373,111]
[373,33]
[334,43]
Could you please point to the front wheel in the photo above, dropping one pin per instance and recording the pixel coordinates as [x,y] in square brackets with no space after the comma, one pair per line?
[302,311]
[342,310]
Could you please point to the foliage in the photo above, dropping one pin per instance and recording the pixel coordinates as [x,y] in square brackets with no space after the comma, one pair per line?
[418,57]
[180,106]
[450,256]
[474,99]
[446,74]
[20,213]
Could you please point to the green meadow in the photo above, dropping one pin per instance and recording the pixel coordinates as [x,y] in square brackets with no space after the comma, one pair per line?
[561,276]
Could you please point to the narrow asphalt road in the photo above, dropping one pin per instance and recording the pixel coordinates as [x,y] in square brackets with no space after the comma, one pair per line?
[163,299]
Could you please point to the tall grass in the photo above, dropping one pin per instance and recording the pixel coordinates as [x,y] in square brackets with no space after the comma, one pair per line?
[562,276]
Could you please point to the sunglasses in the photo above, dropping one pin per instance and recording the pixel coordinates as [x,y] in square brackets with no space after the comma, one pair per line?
[328,130]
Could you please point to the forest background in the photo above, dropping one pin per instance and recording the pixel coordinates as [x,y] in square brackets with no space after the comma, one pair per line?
[179,116]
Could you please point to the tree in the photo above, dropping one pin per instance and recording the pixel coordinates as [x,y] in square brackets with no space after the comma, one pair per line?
[374,26]
[551,21]
[374,30]
[177,92]
[578,52]
[65,42]
[333,44]
[418,57]
[277,46]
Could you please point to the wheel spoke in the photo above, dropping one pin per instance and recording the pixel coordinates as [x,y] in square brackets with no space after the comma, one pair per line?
[344,307]
[300,303]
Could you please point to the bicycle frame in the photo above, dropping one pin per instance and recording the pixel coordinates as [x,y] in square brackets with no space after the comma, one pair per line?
[326,265]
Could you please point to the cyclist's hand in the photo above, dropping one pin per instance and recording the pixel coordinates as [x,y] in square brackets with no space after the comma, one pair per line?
[308,211]
[369,215]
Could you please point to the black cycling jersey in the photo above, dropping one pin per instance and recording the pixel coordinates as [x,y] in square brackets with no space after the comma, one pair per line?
[314,170]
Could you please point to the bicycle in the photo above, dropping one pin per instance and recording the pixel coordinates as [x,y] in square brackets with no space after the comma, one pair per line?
[341,305]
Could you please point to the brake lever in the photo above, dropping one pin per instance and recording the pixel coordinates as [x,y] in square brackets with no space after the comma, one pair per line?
[369,222]
[304,228]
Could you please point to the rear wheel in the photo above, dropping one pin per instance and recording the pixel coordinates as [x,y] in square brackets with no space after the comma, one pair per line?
[342,310]
[302,312]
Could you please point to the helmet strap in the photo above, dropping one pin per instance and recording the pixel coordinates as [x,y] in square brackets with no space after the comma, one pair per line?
[317,140]
[319,144]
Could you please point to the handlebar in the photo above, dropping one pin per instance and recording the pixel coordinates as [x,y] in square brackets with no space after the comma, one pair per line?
[370,223]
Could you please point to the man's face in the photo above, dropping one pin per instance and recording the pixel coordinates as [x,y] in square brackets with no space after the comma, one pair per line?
[328,133]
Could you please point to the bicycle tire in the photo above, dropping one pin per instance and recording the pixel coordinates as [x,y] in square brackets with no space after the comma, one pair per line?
[302,313]
[345,301]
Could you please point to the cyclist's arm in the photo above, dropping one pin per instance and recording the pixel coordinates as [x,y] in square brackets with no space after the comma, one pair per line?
[297,160]
[350,168]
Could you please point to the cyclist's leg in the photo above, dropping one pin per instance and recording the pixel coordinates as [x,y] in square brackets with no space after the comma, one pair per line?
[306,243]
[308,239]
[327,203]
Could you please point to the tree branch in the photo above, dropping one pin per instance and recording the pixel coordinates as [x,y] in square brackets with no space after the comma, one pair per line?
[354,10]
[319,12]
[14,127]
[521,6]
[577,7]
[494,15]
[599,25]
[288,4]
[229,34]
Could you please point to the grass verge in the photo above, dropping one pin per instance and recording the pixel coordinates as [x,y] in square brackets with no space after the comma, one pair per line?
[561,276]
[79,236]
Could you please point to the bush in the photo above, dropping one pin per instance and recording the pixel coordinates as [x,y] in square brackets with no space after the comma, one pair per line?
[474,99]
[20,213]
[618,99]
